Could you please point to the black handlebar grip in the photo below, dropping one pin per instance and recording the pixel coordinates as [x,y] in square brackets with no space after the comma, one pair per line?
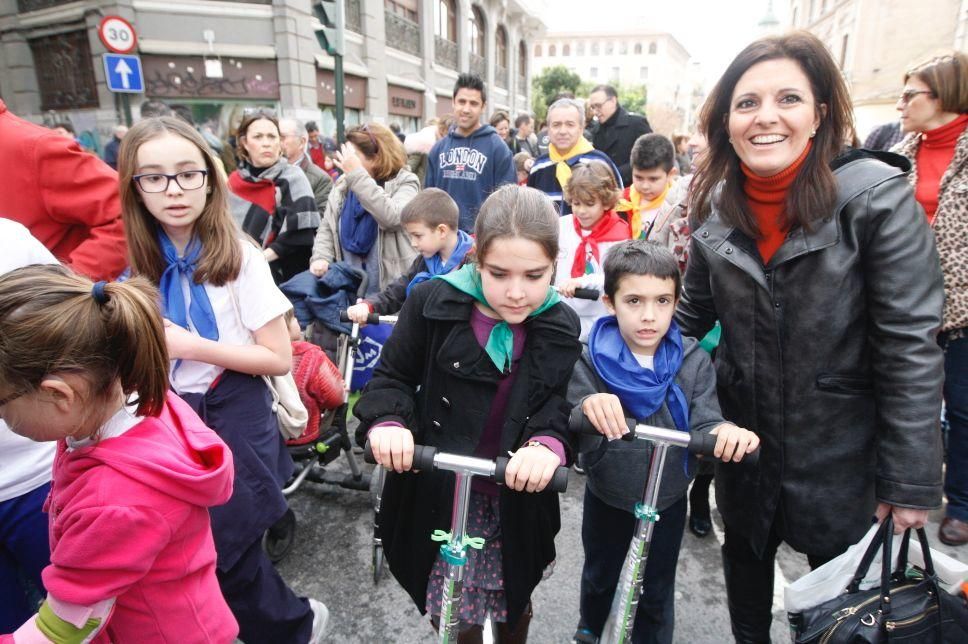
[343,317]
[372,318]
[587,293]
[500,468]
[423,457]
[705,445]
[559,481]
[578,423]
[368,454]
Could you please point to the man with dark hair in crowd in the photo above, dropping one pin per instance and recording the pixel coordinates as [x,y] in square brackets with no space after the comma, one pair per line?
[472,160]
[315,145]
[617,129]
[111,149]
[151,109]
[524,135]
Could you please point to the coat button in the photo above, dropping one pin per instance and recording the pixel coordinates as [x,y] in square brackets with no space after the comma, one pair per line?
[776,304]
[436,424]
[445,402]
[457,365]
[705,234]
[729,251]
[769,277]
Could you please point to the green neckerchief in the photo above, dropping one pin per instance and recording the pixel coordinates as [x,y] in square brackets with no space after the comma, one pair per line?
[500,343]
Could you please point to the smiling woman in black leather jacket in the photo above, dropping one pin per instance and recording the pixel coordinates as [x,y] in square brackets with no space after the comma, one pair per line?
[824,275]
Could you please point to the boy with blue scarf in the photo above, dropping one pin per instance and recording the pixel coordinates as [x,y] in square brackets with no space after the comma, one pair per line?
[637,364]
[431,220]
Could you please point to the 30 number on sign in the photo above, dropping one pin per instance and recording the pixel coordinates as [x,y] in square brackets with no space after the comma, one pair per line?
[117,34]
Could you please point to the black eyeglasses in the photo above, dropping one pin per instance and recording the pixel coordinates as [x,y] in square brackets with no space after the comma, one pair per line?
[366,128]
[158,182]
[908,95]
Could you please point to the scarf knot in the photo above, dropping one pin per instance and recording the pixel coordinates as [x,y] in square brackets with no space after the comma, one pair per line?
[610,228]
[562,168]
[173,297]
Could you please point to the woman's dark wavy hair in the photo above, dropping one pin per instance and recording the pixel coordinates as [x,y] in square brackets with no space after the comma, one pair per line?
[814,190]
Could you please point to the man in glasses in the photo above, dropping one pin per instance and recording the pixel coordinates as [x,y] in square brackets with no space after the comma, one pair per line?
[294,140]
[617,129]
[67,198]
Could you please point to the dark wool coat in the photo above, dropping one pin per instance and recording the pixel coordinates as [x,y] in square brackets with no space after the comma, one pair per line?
[434,348]
[829,354]
[616,136]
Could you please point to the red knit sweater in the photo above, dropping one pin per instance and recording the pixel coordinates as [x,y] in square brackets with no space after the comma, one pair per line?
[935,153]
[766,197]
[320,385]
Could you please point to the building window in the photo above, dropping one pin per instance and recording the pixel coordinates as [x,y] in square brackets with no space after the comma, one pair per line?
[595,49]
[793,22]
[843,52]
[614,75]
[609,48]
[403,8]
[566,50]
[810,12]
[653,48]
[623,48]
[522,61]
[447,20]
[644,73]
[638,48]
[478,32]
[580,48]
[552,50]
[65,73]
[537,51]
[501,44]
[593,72]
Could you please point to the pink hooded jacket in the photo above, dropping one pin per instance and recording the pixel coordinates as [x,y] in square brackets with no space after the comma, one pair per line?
[129,519]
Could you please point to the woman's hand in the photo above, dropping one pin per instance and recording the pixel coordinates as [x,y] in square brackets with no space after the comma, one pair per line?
[392,447]
[270,255]
[181,342]
[531,468]
[319,267]
[733,443]
[904,518]
[358,312]
[347,158]
[604,411]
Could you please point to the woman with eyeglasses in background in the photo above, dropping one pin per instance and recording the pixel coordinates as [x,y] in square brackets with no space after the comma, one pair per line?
[361,225]
[934,113]
[271,199]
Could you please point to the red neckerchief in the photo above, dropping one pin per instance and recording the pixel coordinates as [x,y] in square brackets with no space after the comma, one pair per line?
[610,228]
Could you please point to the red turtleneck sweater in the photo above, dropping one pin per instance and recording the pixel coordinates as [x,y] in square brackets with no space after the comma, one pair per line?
[935,153]
[766,197]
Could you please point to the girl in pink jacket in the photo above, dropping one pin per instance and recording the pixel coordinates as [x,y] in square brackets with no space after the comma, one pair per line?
[132,556]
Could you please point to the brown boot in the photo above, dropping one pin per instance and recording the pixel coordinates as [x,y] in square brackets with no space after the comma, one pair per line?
[953,532]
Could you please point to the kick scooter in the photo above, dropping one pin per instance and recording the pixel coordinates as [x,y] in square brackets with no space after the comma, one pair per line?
[618,628]
[455,543]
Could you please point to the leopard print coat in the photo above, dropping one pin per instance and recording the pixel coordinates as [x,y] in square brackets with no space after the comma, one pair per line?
[950,228]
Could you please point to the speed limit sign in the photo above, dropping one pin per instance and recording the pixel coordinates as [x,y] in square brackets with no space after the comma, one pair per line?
[117,34]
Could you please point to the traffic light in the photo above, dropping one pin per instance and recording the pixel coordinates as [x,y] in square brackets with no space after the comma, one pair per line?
[330,32]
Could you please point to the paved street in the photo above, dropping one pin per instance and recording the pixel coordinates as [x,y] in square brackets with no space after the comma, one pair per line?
[331,561]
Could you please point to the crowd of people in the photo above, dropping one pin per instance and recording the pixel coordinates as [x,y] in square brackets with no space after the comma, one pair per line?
[761,279]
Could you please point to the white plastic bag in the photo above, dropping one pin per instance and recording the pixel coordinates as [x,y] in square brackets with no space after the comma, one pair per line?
[831,579]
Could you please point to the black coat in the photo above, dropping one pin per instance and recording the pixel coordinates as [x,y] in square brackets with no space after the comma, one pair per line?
[829,354]
[434,347]
[616,136]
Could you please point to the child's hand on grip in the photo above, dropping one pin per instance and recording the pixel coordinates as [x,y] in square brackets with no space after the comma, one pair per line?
[392,447]
[733,443]
[358,313]
[531,468]
[606,414]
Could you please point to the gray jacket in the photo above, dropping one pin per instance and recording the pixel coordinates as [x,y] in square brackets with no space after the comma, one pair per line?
[617,470]
[385,204]
[320,181]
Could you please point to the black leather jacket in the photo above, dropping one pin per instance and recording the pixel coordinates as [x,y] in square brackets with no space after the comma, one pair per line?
[829,354]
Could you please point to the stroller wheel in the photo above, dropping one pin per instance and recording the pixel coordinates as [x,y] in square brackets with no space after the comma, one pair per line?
[279,538]
[377,563]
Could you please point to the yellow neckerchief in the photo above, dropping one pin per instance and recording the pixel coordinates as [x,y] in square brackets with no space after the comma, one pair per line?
[637,208]
[562,169]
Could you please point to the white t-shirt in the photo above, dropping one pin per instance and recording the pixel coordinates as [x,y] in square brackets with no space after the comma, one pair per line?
[646,362]
[259,301]
[24,464]
[568,240]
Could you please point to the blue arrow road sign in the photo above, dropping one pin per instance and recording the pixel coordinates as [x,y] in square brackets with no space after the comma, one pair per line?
[123,73]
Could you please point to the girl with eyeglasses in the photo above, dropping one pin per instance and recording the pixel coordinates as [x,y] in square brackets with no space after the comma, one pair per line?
[272,200]
[224,324]
[934,113]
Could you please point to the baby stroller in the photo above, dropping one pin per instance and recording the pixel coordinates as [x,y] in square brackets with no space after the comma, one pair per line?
[320,308]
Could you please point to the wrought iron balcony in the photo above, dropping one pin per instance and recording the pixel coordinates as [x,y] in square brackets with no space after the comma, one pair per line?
[354,16]
[501,77]
[445,52]
[402,34]
[478,65]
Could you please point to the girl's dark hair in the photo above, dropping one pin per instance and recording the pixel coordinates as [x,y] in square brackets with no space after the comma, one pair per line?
[639,257]
[814,190]
[50,323]
[221,258]
[517,211]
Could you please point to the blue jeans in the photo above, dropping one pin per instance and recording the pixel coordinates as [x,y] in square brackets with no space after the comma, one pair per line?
[605,535]
[956,405]
[24,553]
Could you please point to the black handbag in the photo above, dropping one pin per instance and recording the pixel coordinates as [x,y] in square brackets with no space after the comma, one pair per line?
[909,606]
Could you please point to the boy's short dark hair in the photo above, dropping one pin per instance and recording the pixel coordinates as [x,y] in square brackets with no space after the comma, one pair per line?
[431,207]
[470,81]
[640,257]
[653,151]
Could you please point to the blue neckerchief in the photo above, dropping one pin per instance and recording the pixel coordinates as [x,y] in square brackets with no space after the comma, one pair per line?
[436,267]
[641,391]
[357,227]
[172,296]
